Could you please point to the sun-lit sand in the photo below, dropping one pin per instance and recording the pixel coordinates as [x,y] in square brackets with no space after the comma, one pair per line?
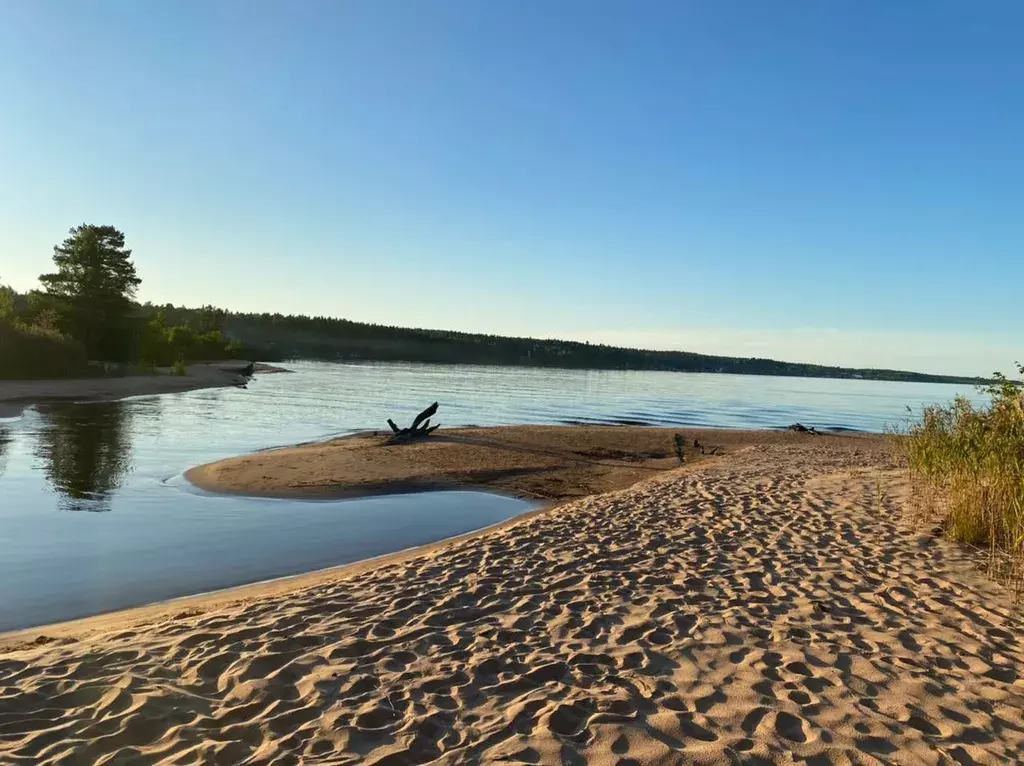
[767,606]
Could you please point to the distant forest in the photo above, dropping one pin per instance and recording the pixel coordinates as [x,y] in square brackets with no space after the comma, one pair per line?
[87,313]
[279,337]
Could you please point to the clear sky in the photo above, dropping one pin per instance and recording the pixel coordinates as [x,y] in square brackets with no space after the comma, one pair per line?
[840,182]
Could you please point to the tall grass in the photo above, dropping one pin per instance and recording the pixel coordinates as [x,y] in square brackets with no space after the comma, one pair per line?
[967,464]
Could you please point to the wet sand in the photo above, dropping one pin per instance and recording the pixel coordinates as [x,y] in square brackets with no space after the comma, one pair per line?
[768,606]
[537,462]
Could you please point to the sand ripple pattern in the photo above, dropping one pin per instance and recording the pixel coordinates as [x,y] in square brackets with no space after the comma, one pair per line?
[769,608]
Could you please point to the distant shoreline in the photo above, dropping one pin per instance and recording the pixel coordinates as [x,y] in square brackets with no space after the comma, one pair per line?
[889,376]
[330,339]
[15,395]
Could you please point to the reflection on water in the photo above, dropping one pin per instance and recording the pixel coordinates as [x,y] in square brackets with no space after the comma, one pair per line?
[5,439]
[86,451]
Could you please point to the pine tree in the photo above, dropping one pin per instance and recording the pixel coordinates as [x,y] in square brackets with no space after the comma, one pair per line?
[94,287]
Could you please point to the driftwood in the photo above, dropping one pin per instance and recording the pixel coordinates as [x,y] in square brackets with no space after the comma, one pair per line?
[705,449]
[420,427]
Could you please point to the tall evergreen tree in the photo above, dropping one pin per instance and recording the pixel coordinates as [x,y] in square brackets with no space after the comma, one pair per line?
[94,287]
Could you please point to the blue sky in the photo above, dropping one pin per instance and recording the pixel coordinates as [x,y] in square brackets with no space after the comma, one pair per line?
[840,182]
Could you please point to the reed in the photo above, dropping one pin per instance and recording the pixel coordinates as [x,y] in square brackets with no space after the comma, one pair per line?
[967,465]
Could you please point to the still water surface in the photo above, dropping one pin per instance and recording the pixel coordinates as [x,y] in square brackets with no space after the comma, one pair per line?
[94,515]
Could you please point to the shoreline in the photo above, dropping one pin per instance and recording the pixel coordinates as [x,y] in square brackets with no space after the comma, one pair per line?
[16,395]
[736,439]
[84,627]
[770,604]
[548,463]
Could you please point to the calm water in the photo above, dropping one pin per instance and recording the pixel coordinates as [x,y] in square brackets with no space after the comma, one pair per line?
[94,515]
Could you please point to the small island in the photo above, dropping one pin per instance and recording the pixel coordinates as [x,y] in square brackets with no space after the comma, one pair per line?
[549,463]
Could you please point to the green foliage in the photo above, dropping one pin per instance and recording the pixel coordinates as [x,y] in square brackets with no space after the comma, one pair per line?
[968,464]
[162,345]
[7,303]
[93,290]
[87,311]
[179,368]
[33,352]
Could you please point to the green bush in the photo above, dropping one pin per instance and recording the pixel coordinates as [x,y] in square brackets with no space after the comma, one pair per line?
[162,345]
[34,352]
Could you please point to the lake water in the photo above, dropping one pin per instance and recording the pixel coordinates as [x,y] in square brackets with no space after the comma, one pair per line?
[94,514]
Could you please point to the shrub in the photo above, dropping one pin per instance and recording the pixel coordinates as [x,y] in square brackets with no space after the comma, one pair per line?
[162,345]
[35,352]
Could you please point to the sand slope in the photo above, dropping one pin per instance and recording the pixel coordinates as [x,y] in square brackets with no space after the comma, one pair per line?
[760,608]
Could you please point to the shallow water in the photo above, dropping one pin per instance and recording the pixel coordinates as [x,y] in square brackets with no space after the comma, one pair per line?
[94,515]
[165,543]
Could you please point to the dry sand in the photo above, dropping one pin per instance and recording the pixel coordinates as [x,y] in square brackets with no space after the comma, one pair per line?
[765,607]
[16,394]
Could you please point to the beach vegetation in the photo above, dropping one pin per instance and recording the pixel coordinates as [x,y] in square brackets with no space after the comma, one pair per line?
[967,465]
[28,352]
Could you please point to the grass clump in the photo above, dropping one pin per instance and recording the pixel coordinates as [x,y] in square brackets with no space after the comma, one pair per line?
[967,464]
[179,368]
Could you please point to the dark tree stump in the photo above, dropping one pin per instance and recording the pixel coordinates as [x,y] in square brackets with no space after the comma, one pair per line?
[419,429]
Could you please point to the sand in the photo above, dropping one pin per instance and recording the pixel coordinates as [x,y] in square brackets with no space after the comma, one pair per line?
[537,462]
[15,395]
[765,607]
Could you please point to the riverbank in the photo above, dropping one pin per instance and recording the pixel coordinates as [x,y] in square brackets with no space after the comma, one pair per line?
[536,462]
[766,605]
[15,395]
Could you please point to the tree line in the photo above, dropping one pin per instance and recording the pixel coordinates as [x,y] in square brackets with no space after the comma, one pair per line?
[296,336]
[86,309]
[85,313]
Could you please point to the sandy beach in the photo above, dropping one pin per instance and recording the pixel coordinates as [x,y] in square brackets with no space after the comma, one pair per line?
[767,606]
[15,395]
